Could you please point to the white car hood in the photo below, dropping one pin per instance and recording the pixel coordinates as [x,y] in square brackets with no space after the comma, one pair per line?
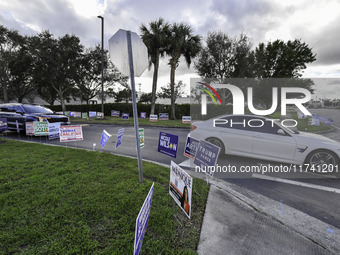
[304,136]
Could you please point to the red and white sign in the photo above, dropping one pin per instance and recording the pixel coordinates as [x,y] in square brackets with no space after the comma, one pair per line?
[71,133]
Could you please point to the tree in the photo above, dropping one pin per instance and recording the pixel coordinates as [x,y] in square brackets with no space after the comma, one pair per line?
[146,98]
[181,43]
[56,66]
[156,39]
[281,60]
[19,66]
[225,57]
[178,91]
[9,44]
[89,85]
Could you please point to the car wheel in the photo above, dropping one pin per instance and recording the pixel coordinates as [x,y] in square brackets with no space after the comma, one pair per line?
[216,142]
[323,161]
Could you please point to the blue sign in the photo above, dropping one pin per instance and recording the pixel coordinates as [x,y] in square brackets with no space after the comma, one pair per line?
[143,115]
[119,137]
[142,222]
[53,130]
[191,147]
[206,156]
[105,137]
[92,114]
[115,113]
[125,116]
[168,144]
[3,124]
[324,120]
[164,116]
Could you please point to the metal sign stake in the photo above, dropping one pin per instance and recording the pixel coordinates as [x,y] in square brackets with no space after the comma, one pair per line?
[134,106]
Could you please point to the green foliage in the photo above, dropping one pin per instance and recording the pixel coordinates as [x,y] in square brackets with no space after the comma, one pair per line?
[55,200]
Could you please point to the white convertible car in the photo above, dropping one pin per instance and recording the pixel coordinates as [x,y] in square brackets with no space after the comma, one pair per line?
[263,138]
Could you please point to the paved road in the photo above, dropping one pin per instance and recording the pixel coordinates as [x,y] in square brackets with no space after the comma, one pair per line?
[319,203]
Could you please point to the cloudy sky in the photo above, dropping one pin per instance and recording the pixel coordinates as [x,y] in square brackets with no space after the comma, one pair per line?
[316,22]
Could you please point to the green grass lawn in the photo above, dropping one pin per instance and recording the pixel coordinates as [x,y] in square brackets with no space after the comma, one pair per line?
[57,200]
[145,122]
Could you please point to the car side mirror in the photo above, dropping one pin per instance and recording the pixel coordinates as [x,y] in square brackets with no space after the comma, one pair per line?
[280,132]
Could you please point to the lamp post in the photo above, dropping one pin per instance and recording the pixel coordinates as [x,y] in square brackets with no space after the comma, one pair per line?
[100,17]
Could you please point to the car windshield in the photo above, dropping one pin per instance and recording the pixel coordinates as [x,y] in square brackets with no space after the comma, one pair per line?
[36,109]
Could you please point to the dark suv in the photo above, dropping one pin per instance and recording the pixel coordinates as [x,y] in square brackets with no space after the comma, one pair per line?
[28,113]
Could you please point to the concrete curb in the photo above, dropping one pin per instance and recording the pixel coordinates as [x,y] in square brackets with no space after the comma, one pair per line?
[315,230]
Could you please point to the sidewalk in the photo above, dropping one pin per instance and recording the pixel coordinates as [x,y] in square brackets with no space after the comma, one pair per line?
[236,224]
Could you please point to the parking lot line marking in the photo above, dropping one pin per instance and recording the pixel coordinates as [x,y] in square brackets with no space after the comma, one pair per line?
[335,127]
[301,184]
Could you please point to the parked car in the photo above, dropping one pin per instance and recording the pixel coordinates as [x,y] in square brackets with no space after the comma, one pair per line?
[23,113]
[271,141]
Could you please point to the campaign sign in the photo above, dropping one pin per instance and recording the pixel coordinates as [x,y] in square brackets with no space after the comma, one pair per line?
[141,137]
[142,222]
[143,115]
[29,128]
[92,114]
[125,116]
[71,114]
[153,117]
[40,128]
[180,188]
[53,130]
[163,116]
[115,113]
[77,114]
[324,120]
[71,133]
[186,119]
[314,122]
[191,147]
[119,137]
[3,124]
[206,156]
[84,115]
[100,115]
[168,144]
[105,137]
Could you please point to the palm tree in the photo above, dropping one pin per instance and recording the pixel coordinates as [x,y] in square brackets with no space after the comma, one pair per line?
[182,43]
[155,38]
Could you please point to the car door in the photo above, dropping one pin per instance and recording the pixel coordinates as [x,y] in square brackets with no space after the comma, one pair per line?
[271,145]
[235,134]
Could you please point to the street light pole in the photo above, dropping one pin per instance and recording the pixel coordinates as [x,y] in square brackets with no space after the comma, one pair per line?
[100,17]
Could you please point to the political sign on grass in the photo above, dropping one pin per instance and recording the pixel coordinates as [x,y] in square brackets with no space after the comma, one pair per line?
[143,115]
[53,130]
[115,113]
[119,137]
[71,133]
[100,115]
[3,124]
[40,128]
[29,128]
[142,222]
[313,122]
[84,115]
[125,116]
[153,117]
[206,156]
[77,114]
[191,147]
[141,137]
[168,144]
[92,114]
[163,116]
[71,114]
[186,119]
[105,137]
[180,188]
